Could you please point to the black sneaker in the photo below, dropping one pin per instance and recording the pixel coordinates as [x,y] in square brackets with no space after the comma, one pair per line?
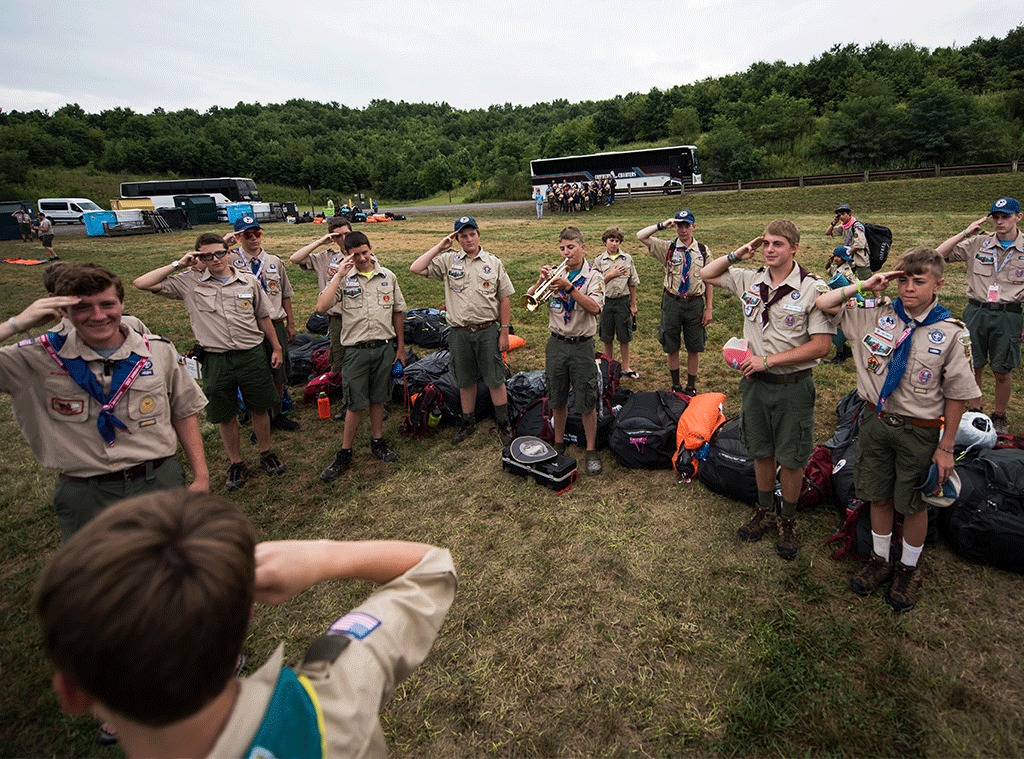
[237,475]
[342,461]
[677,388]
[271,463]
[690,390]
[282,422]
[380,450]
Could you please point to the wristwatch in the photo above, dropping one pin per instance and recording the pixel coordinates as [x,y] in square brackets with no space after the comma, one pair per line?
[175,263]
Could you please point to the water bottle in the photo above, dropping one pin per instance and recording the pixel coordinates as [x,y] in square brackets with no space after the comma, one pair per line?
[434,419]
[397,370]
[323,405]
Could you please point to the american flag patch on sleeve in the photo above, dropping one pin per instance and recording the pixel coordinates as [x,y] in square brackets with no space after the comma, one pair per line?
[355,624]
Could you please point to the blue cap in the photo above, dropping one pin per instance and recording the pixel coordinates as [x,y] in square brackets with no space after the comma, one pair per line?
[843,252]
[933,494]
[1005,205]
[465,221]
[243,223]
[686,216]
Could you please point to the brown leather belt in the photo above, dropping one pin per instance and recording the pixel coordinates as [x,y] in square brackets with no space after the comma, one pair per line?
[781,379]
[898,420]
[572,340]
[125,475]
[682,298]
[1014,308]
[475,327]
[369,344]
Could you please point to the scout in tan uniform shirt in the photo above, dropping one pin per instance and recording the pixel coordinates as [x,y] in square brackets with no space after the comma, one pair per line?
[152,396]
[914,370]
[477,294]
[325,264]
[157,554]
[619,312]
[686,299]
[854,238]
[569,357]
[230,318]
[372,322]
[787,336]
[995,291]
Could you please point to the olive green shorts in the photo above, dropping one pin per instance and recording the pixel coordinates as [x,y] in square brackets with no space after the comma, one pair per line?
[995,337]
[571,364]
[475,355]
[778,420]
[892,461]
[685,317]
[280,374]
[616,320]
[337,349]
[366,375]
[224,374]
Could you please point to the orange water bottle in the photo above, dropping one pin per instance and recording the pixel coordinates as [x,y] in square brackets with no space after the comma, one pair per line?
[323,406]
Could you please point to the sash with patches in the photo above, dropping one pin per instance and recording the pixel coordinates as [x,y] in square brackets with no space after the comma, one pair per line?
[293,725]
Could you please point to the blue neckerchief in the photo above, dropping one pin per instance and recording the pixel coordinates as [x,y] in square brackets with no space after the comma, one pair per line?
[292,726]
[79,371]
[684,277]
[568,302]
[256,265]
[898,362]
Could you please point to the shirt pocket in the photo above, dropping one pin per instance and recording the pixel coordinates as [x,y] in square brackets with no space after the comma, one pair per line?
[386,296]
[244,305]
[922,378]
[145,399]
[206,301]
[65,401]
[488,284]
[788,322]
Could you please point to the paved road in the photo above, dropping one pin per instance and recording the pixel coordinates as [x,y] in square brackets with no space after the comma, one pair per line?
[461,207]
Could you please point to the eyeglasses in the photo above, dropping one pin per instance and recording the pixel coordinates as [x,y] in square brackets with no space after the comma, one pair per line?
[211,256]
[251,234]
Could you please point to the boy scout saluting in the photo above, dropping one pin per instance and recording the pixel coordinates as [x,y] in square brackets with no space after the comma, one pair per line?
[995,290]
[372,321]
[230,318]
[787,336]
[477,294]
[619,311]
[270,271]
[78,394]
[914,370]
[686,299]
[569,357]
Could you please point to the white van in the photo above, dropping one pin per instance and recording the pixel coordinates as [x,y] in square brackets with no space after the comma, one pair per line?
[66,210]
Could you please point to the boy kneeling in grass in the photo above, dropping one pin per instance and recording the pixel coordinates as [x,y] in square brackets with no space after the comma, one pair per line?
[914,371]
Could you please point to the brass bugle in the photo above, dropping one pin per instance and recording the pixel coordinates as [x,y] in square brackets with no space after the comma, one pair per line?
[543,293]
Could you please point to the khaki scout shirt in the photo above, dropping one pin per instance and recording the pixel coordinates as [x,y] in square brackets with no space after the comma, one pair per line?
[988,265]
[939,365]
[617,287]
[325,263]
[577,322]
[473,286]
[368,305]
[674,266]
[223,315]
[272,275]
[353,687]
[791,320]
[58,418]
[855,239]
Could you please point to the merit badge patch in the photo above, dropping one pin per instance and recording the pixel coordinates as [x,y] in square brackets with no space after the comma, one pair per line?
[146,405]
[67,407]
[924,377]
[355,624]
[937,336]
[790,320]
[874,365]
[887,322]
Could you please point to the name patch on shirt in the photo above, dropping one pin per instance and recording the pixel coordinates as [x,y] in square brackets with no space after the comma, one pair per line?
[355,624]
[67,406]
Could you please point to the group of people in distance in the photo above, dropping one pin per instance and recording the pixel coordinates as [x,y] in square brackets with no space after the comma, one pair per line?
[573,197]
[183,567]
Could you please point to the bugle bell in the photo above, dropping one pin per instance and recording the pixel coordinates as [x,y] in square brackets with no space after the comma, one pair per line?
[544,292]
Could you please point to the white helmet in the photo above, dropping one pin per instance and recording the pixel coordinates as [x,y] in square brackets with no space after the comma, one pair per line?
[975,431]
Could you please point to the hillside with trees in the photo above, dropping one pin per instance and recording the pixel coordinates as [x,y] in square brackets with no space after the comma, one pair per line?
[850,109]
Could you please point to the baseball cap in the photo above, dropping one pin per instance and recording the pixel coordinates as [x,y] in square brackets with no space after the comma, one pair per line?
[243,223]
[1005,205]
[686,216]
[843,252]
[465,221]
[943,496]
[735,352]
[844,207]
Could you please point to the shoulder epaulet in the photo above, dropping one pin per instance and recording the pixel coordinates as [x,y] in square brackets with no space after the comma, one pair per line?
[762,270]
[159,338]
[957,322]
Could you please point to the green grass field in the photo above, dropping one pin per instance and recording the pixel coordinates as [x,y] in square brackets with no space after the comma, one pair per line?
[624,617]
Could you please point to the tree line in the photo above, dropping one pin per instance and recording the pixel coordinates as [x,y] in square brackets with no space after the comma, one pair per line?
[852,108]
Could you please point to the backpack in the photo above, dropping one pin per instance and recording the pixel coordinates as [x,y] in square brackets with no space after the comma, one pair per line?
[728,470]
[523,388]
[644,434]
[697,425]
[986,523]
[609,376]
[817,483]
[879,241]
[318,324]
[535,421]
[300,357]
[419,408]
[322,360]
[426,327]
[328,382]
[574,432]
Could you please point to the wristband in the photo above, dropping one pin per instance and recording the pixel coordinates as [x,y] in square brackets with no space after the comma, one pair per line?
[732,257]
[661,226]
[965,233]
[860,288]
[945,450]
[765,358]
[15,326]
[505,326]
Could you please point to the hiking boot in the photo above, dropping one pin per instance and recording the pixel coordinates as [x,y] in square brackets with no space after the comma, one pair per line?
[1001,424]
[283,423]
[690,390]
[902,593]
[559,448]
[506,434]
[871,575]
[465,430]
[786,544]
[342,461]
[271,463]
[237,475]
[593,462]
[379,449]
[759,524]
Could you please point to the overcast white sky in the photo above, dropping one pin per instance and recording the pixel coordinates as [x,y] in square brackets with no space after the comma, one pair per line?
[179,54]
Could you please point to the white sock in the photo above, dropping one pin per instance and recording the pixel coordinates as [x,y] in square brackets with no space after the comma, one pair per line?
[881,544]
[911,554]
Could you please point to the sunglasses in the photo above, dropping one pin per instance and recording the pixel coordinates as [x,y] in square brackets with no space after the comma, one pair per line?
[252,234]
[211,256]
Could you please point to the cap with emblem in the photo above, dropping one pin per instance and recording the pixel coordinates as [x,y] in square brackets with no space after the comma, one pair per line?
[1005,205]
[465,221]
[243,223]
[935,495]
[686,216]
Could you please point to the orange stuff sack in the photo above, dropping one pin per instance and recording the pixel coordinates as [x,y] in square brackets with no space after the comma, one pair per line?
[703,415]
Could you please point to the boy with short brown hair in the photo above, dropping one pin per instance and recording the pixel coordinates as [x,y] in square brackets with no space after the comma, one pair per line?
[620,281]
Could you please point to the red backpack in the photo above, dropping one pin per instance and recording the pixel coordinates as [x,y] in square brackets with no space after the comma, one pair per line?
[328,382]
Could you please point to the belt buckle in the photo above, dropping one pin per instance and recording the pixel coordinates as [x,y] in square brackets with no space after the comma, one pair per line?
[893,421]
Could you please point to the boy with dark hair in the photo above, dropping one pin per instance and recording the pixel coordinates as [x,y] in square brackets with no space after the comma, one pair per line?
[230,318]
[854,239]
[145,611]
[573,307]
[995,292]
[787,335]
[914,371]
[620,281]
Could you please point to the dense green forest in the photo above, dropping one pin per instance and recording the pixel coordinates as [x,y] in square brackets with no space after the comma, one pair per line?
[852,108]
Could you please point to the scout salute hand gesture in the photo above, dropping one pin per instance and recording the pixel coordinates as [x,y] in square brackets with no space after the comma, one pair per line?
[746,251]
